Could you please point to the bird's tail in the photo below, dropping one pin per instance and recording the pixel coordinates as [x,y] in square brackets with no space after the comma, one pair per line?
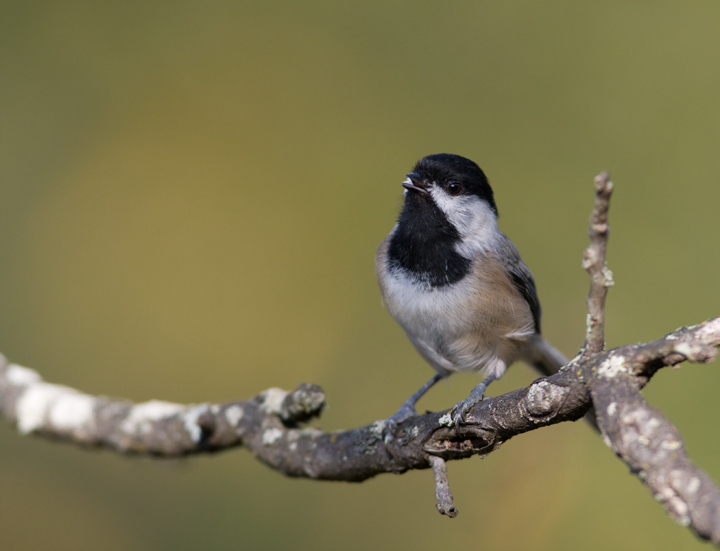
[548,360]
[545,358]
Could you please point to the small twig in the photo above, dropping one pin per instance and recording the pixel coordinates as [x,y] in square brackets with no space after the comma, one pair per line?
[442,487]
[594,262]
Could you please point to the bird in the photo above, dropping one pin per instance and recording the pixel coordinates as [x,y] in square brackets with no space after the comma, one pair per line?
[457,285]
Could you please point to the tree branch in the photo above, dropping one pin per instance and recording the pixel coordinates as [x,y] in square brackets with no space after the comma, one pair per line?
[268,424]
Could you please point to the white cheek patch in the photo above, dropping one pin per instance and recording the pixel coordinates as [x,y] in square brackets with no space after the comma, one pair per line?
[472,217]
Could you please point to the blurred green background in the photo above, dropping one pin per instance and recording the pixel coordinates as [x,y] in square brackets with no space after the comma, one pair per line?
[190,199]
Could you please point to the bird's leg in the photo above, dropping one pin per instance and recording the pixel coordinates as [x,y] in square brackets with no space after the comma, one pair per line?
[407,410]
[476,395]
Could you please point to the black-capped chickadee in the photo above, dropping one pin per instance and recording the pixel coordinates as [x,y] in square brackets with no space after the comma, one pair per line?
[456,284]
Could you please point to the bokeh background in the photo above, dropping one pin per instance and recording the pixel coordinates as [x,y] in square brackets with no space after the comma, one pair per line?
[190,199]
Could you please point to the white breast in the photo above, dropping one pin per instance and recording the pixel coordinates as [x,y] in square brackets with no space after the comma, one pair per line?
[425,310]
[438,322]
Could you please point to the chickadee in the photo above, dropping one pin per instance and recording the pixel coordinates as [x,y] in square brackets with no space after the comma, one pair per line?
[456,284]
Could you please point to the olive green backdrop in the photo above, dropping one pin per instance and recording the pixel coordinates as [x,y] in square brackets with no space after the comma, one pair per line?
[191,194]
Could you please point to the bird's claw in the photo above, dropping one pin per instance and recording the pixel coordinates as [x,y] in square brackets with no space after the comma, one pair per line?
[405,412]
[476,396]
[462,408]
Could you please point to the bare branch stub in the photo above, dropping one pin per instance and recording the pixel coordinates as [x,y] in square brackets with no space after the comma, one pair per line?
[594,262]
[445,503]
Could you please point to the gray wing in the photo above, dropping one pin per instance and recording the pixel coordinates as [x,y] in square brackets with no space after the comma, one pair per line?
[521,277]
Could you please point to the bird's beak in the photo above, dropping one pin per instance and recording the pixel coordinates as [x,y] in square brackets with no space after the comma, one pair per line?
[414,183]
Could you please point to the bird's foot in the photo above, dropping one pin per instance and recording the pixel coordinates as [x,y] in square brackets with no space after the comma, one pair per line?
[476,396]
[462,407]
[406,411]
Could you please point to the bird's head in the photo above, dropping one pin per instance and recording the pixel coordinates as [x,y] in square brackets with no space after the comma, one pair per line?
[445,194]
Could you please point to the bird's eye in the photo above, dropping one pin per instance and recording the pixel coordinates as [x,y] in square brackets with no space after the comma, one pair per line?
[454,188]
